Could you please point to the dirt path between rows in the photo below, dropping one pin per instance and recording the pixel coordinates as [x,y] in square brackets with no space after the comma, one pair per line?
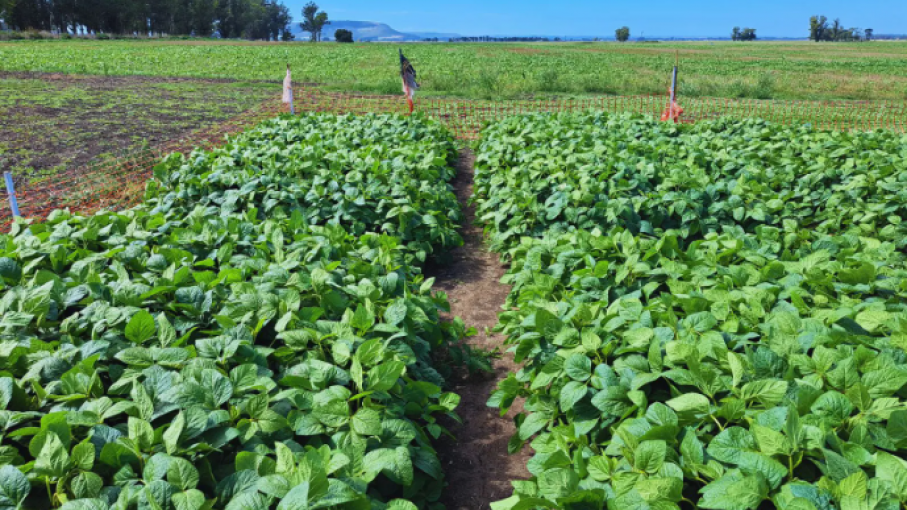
[477,465]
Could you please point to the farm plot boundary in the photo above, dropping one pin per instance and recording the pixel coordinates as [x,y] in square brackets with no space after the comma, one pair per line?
[465,118]
[120,182]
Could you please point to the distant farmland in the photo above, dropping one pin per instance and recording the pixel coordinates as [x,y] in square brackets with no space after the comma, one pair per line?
[762,70]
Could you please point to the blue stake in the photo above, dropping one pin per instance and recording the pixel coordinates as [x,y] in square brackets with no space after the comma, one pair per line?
[11,191]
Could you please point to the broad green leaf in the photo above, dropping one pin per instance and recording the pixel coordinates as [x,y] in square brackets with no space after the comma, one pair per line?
[54,460]
[140,327]
[182,474]
[689,405]
[367,422]
[189,500]
[650,456]
[894,471]
[174,431]
[384,376]
[87,485]
[14,487]
[734,491]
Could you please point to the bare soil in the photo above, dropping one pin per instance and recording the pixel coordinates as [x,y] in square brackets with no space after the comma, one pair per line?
[477,465]
[52,123]
[108,82]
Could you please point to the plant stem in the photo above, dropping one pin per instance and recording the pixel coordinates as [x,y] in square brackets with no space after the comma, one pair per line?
[50,494]
[716,422]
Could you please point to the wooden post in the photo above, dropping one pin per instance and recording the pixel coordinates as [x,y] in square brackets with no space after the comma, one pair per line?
[11,191]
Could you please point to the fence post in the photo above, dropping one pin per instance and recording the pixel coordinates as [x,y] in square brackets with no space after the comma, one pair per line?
[11,191]
[292,111]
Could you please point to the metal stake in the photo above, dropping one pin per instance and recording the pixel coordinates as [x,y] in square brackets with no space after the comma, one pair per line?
[292,111]
[11,191]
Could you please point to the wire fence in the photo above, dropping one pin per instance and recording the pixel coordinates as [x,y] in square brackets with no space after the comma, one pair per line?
[120,182]
[465,118]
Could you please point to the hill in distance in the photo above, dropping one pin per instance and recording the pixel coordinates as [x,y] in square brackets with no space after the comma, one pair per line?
[372,31]
[382,32]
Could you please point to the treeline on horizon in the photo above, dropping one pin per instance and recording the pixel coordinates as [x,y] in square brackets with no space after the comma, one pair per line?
[247,19]
[270,20]
[821,30]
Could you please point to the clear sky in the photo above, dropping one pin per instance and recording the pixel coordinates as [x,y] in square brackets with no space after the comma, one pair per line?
[690,18]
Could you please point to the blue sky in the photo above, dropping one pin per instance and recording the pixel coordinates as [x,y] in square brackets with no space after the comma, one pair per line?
[691,18]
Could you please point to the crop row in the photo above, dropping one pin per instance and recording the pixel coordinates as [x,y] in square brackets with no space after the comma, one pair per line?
[255,335]
[709,316]
[539,174]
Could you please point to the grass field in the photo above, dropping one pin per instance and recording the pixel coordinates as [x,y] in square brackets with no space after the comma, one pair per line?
[51,123]
[64,104]
[763,70]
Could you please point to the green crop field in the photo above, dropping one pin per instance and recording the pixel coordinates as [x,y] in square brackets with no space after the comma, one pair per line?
[763,70]
[115,96]
[702,316]
[144,376]
[582,310]
[711,316]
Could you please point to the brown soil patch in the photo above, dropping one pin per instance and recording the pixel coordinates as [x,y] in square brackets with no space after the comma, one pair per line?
[100,117]
[527,51]
[872,54]
[113,81]
[649,50]
[218,42]
[477,465]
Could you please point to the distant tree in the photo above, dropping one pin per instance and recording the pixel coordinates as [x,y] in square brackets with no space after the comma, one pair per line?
[287,36]
[253,19]
[745,34]
[277,18]
[837,30]
[343,36]
[818,28]
[622,34]
[313,21]
[248,19]
[6,8]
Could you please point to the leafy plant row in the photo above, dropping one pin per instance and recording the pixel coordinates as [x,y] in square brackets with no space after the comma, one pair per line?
[731,367]
[253,336]
[556,173]
[366,173]
[738,370]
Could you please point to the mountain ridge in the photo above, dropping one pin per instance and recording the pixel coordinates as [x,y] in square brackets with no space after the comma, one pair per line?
[374,31]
